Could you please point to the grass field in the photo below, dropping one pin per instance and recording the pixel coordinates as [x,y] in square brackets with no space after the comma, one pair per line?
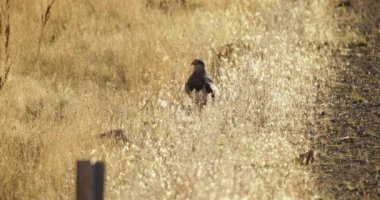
[86,67]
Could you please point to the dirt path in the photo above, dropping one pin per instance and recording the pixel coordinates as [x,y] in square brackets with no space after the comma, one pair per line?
[349,126]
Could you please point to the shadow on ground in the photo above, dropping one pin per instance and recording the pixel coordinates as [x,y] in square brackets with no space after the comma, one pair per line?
[348,164]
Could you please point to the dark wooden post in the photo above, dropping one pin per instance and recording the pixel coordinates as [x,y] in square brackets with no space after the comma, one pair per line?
[90,180]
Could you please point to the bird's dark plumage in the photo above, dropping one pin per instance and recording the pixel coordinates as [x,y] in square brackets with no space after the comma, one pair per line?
[199,80]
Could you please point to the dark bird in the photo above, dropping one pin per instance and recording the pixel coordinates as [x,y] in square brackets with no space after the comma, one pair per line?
[200,83]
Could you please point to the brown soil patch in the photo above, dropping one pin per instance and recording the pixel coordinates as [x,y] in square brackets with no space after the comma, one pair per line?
[349,140]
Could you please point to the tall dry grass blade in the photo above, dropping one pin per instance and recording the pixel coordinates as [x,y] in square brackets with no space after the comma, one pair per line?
[44,19]
[5,34]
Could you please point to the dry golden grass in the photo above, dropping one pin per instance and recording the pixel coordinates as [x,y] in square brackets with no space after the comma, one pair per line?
[123,64]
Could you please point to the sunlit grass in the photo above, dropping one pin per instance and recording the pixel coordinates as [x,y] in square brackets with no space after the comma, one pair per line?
[118,64]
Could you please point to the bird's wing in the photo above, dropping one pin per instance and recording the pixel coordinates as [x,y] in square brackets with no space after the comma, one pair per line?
[187,89]
[209,89]
[207,79]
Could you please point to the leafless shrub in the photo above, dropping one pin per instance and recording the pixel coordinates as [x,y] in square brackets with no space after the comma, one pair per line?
[228,55]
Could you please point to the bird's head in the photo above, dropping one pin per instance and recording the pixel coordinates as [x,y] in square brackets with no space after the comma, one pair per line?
[198,64]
